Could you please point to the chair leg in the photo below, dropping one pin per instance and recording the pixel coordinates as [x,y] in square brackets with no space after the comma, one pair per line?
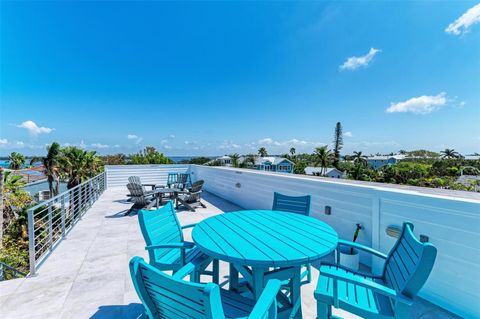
[324,311]
[216,269]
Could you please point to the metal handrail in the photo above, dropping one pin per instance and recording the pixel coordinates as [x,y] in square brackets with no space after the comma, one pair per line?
[57,216]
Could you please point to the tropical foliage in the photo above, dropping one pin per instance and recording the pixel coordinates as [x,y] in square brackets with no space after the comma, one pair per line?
[50,163]
[262,151]
[150,156]
[17,160]
[78,165]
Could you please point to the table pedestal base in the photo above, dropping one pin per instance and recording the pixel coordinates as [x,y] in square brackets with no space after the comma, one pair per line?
[255,279]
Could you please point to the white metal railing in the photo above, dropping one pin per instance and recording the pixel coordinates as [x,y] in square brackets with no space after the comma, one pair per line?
[51,220]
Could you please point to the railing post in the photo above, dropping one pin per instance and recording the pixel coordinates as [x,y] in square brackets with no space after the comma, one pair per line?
[31,242]
[50,226]
[80,194]
[62,215]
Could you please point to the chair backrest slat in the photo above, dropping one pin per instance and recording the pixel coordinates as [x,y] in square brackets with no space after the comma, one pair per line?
[138,194]
[160,226]
[167,297]
[409,263]
[293,204]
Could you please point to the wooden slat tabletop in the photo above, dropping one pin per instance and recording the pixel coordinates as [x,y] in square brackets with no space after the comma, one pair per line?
[265,238]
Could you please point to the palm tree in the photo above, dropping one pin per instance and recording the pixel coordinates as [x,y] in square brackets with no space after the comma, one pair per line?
[52,170]
[78,165]
[235,157]
[359,158]
[292,151]
[16,160]
[449,153]
[262,151]
[337,144]
[323,157]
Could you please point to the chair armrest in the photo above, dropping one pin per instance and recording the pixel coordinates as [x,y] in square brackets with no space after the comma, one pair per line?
[184,271]
[182,245]
[267,301]
[372,251]
[357,272]
[188,226]
[349,277]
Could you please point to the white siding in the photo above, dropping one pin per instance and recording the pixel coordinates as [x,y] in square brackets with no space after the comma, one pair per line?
[117,175]
[452,224]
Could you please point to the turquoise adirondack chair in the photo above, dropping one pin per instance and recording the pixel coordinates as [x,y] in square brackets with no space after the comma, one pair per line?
[170,297]
[406,269]
[166,246]
[297,205]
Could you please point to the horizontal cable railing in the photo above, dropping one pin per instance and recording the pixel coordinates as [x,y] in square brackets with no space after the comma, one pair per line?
[51,220]
[7,272]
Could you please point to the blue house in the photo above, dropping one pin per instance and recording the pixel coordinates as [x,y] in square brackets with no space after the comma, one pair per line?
[274,164]
[377,162]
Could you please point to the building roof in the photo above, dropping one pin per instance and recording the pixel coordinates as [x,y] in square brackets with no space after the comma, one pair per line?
[385,157]
[309,170]
[272,159]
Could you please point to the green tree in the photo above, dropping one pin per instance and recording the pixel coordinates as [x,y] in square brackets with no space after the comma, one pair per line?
[300,167]
[337,144]
[17,160]
[116,159]
[359,158]
[79,165]
[52,170]
[449,153]
[262,151]
[249,161]
[150,156]
[323,158]
[292,151]
[235,157]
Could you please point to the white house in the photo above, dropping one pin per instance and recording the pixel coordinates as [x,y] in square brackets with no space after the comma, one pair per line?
[377,162]
[224,160]
[329,172]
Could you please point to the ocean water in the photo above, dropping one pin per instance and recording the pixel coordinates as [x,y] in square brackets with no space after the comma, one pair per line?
[6,163]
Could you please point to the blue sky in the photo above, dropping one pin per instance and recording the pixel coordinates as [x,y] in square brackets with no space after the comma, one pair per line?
[210,78]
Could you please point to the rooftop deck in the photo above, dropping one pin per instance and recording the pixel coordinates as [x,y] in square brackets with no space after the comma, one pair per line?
[87,274]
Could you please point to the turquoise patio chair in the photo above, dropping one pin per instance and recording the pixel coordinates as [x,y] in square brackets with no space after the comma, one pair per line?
[170,297]
[406,269]
[179,180]
[166,246]
[297,205]
[292,204]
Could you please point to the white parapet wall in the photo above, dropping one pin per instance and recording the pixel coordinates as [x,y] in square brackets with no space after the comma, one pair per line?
[117,175]
[450,220]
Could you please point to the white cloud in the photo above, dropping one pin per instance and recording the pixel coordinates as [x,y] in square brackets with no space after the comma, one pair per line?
[172,136]
[100,145]
[348,134]
[3,141]
[34,129]
[419,105]
[228,145]
[291,142]
[134,137]
[356,62]
[20,144]
[463,24]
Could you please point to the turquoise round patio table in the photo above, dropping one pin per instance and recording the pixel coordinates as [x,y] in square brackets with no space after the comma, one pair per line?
[254,241]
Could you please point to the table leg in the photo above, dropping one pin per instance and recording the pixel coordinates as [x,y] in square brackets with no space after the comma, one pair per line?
[295,295]
[233,278]
[258,275]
